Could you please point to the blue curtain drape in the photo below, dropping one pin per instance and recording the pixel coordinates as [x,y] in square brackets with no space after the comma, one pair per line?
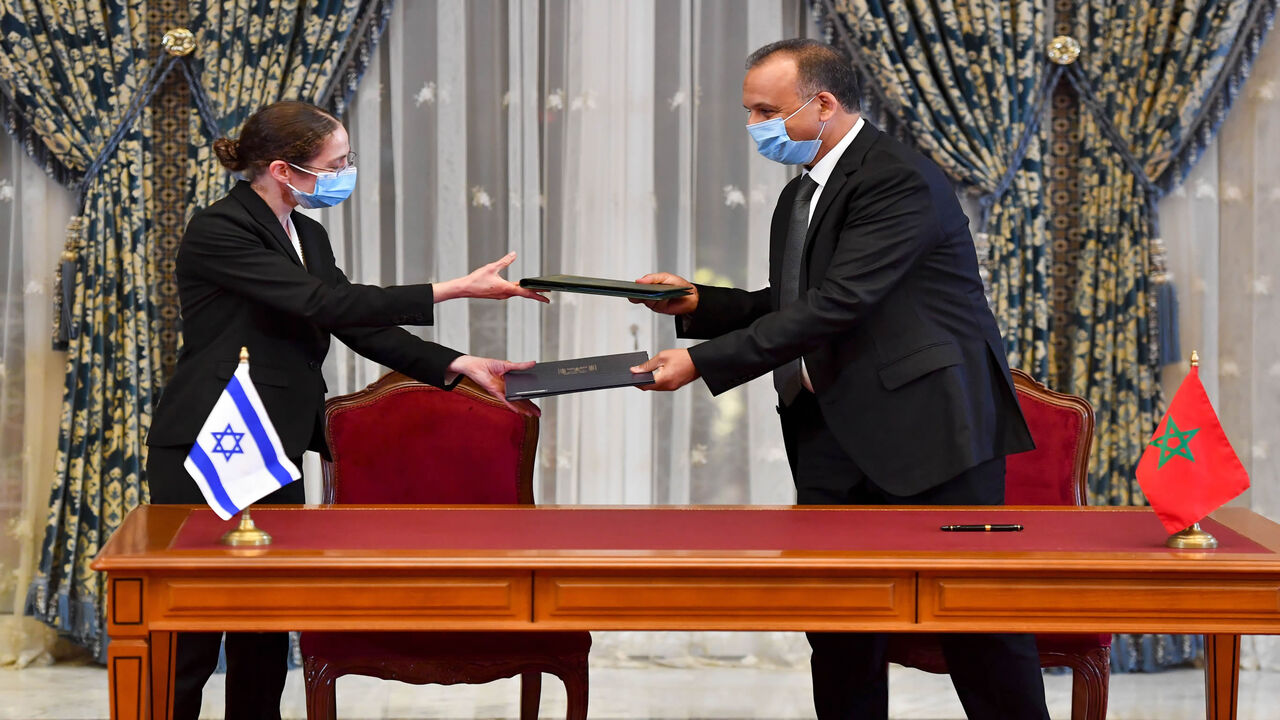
[69,73]
[75,78]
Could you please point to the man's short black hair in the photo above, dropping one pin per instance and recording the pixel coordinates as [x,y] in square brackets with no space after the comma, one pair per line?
[821,67]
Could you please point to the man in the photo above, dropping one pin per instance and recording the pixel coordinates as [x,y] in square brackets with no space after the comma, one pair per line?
[892,383]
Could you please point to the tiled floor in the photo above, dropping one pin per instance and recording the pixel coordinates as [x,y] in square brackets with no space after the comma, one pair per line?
[69,692]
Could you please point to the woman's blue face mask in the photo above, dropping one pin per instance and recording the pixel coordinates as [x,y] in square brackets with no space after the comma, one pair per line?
[773,142]
[331,188]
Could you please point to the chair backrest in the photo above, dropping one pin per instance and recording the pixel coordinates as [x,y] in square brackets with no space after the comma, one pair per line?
[401,441]
[1057,471]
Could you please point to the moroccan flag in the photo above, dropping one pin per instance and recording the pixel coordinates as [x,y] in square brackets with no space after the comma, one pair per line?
[1189,469]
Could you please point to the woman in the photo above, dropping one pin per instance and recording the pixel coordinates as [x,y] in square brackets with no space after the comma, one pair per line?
[252,272]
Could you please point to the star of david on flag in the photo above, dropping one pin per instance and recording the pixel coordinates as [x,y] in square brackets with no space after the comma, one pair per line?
[237,458]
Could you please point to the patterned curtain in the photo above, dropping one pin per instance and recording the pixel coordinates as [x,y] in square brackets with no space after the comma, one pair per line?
[69,72]
[1154,81]
[966,81]
[255,52]
[1147,76]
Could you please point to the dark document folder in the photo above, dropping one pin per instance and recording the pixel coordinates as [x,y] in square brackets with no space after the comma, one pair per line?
[601,286]
[571,376]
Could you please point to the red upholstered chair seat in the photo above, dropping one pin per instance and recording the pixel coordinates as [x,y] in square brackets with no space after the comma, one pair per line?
[413,645]
[1066,641]
[927,655]
[399,441]
[1055,473]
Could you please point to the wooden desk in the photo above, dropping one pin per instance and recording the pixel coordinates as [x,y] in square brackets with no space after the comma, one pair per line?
[705,568]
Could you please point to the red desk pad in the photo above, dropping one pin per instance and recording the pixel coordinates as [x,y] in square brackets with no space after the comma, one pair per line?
[699,530]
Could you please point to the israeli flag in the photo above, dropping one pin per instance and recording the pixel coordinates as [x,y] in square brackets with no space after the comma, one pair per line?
[237,458]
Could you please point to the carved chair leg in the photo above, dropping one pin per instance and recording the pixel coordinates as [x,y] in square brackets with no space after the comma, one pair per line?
[530,694]
[576,689]
[1090,680]
[322,692]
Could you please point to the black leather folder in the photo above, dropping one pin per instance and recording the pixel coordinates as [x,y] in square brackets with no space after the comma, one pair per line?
[602,286]
[581,375]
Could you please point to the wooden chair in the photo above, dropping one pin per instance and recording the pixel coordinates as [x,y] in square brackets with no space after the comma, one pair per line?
[400,441]
[1055,473]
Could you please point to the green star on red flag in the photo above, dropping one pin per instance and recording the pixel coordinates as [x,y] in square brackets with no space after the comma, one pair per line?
[1173,443]
[1183,493]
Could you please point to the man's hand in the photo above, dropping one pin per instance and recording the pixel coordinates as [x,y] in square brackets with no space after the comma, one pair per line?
[682,305]
[672,369]
[488,374]
[486,282]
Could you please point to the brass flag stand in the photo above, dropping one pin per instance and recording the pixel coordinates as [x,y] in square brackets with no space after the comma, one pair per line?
[248,534]
[1193,538]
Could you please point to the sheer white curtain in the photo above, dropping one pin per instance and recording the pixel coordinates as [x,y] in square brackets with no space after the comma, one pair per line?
[33,219]
[1220,231]
[593,138]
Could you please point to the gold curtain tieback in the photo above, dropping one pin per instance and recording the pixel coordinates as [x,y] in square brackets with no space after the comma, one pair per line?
[178,42]
[1064,50]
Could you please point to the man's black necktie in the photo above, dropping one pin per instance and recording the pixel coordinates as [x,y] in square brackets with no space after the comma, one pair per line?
[786,379]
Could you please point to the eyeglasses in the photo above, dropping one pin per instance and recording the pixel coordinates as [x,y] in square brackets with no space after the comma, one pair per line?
[351,162]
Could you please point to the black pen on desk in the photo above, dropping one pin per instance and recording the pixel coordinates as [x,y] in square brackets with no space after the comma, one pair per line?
[982,528]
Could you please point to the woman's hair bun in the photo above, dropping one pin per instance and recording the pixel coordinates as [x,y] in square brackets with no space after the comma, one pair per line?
[288,130]
[228,152]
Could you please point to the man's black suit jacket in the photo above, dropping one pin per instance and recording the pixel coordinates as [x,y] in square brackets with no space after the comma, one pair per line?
[892,322]
[240,284]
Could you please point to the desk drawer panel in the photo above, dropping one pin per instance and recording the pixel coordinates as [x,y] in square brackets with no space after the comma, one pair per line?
[1115,604]
[321,603]
[722,603]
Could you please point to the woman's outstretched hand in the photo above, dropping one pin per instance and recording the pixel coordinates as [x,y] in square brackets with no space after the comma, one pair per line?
[488,374]
[486,282]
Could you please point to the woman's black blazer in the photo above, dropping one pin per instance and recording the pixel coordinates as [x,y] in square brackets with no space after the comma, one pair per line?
[240,284]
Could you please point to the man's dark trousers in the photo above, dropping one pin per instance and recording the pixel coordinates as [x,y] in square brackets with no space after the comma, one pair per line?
[996,676]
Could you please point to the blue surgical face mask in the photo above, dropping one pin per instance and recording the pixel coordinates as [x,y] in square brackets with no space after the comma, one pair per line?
[774,143]
[331,188]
